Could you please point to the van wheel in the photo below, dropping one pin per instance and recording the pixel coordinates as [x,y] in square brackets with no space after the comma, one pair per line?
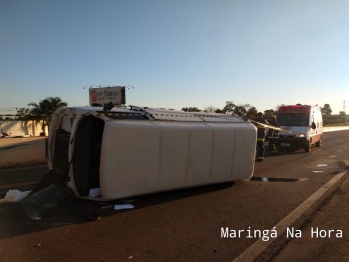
[308,147]
[318,143]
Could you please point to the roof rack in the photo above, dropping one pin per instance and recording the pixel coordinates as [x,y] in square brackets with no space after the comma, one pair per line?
[138,108]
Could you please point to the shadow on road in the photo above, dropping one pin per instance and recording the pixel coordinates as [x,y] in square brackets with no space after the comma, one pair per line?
[15,221]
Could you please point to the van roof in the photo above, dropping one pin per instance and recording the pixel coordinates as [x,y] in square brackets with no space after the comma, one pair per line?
[302,109]
[162,114]
[297,105]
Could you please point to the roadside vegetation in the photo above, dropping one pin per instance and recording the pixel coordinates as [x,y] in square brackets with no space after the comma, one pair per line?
[41,112]
[250,112]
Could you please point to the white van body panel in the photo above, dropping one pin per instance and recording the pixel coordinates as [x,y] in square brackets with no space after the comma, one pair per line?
[140,157]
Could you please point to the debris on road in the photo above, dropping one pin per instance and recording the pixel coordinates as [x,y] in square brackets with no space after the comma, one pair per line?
[125,206]
[95,192]
[48,198]
[14,195]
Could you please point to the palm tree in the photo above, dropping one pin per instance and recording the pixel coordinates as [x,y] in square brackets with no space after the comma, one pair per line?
[39,112]
[22,113]
[53,103]
[45,109]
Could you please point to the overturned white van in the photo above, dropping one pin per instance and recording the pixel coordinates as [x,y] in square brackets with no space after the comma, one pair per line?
[139,150]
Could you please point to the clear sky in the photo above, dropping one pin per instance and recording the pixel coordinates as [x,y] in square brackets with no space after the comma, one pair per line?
[176,53]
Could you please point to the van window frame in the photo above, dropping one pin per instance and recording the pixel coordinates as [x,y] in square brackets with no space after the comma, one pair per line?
[284,123]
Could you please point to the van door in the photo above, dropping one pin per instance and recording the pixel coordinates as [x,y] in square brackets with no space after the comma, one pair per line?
[58,140]
[317,132]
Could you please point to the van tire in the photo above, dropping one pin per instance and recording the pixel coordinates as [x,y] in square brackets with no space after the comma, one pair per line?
[318,143]
[308,147]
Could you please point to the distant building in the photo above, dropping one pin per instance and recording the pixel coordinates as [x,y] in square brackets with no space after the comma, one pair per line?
[22,128]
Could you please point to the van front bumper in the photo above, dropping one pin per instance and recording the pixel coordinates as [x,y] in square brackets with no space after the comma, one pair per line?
[295,142]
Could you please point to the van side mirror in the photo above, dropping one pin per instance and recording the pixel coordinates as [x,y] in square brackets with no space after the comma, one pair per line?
[313,125]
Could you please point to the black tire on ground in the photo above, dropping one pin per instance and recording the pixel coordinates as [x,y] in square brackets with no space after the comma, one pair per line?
[318,143]
[308,147]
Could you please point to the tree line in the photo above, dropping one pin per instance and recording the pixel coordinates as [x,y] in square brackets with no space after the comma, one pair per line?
[39,112]
[231,108]
[250,112]
[43,110]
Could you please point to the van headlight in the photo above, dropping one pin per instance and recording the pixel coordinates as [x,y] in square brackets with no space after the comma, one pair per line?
[300,135]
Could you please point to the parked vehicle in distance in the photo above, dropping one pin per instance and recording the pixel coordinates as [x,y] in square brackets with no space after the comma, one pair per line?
[12,134]
[140,150]
[4,134]
[306,123]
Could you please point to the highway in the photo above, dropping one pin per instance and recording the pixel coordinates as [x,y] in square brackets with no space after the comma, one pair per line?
[187,225]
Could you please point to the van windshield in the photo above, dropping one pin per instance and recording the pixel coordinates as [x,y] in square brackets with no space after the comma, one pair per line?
[293,119]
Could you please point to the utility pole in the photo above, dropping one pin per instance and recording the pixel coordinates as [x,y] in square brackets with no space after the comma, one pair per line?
[344,107]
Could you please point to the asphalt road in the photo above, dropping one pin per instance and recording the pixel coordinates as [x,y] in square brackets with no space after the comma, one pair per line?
[22,152]
[186,225]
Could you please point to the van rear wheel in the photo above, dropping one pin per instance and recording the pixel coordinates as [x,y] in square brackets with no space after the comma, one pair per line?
[318,143]
[308,147]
